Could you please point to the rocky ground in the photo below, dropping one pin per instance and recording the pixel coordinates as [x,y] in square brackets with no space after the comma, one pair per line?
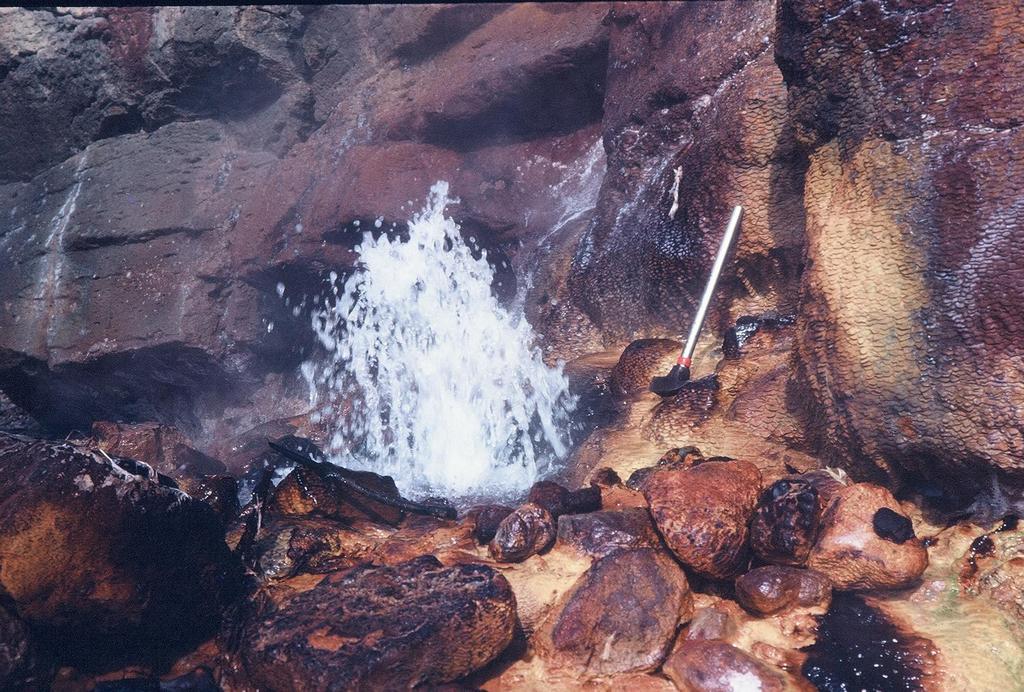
[831,498]
[128,562]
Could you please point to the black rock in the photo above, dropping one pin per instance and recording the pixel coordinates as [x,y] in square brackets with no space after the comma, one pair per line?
[892,526]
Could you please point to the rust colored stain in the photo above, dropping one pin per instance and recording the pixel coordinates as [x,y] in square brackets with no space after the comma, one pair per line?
[130,32]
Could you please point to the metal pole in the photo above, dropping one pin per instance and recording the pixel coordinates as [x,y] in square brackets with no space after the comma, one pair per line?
[698,321]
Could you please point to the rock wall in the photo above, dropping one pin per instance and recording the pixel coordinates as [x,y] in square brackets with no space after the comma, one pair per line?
[161,170]
[910,319]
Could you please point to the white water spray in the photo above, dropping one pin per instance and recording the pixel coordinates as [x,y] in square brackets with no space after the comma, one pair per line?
[427,377]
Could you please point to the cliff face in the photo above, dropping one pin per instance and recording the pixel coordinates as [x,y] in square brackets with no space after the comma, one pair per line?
[163,169]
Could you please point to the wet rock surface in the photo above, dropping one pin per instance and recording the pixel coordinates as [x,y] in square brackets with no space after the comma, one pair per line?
[768,590]
[714,666]
[103,561]
[601,533]
[529,529]
[703,513]
[785,522]
[850,551]
[415,623]
[622,614]
[22,665]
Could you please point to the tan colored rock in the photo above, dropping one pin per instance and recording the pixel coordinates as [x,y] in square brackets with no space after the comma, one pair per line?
[850,551]
[714,666]
[621,616]
[528,530]
[703,513]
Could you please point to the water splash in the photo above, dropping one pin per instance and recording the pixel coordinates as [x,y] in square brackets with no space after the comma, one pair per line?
[427,378]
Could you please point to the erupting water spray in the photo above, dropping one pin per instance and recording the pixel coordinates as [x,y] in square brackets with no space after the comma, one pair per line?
[426,377]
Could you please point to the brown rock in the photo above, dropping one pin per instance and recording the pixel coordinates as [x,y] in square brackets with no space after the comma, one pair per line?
[559,500]
[771,589]
[703,513]
[642,360]
[676,458]
[601,533]
[103,560]
[309,491]
[622,614]
[380,628]
[605,477]
[486,520]
[286,546]
[163,447]
[785,522]
[852,554]
[528,530]
[714,666]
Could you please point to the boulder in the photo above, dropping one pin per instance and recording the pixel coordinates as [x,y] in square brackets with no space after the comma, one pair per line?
[286,546]
[105,561]
[707,665]
[486,519]
[601,533]
[380,627]
[853,554]
[528,530]
[703,514]
[771,589]
[621,616]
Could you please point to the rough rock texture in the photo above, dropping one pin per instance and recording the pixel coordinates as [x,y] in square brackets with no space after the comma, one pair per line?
[380,627]
[693,86]
[785,522]
[621,615]
[910,317]
[642,360]
[703,512]
[853,555]
[105,561]
[601,533]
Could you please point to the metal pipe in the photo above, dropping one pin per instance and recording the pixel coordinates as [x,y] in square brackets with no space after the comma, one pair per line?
[698,321]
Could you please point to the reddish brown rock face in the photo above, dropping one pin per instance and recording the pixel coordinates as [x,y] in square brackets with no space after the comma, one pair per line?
[703,513]
[528,530]
[911,294]
[850,551]
[104,561]
[642,360]
[622,614]
[380,627]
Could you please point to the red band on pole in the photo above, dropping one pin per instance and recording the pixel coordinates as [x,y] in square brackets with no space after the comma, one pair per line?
[685,362]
